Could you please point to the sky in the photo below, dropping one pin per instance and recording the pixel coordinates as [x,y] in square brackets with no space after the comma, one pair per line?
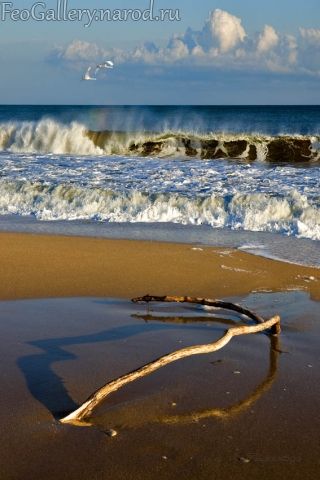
[229,52]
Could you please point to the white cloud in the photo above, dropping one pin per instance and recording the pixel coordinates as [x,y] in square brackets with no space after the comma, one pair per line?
[177,49]
[223,28]
[308,55]
[268,39]
[222,44]
[77,54]
[311,35]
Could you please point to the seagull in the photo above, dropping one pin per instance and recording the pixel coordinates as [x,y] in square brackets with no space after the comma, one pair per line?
[107,64]
[87,75]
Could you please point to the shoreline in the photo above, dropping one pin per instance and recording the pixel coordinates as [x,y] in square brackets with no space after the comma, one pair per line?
[52,266]
[276,246]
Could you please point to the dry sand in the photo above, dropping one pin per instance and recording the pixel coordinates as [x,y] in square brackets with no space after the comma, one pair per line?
[42,266]
[195,419]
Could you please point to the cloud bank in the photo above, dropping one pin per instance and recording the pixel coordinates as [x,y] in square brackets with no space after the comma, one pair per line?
[222,44]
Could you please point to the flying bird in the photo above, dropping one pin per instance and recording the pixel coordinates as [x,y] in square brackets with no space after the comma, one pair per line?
[107,64]
[87,75]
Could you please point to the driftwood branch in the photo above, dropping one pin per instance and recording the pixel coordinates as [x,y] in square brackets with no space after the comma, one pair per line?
[275,330]
[203,301]
[274,323]
[123,416]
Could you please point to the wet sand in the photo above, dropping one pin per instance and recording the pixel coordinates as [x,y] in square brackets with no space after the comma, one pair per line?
[195,418]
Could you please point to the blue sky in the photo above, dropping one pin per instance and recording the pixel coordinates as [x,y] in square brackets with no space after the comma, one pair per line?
[220,52]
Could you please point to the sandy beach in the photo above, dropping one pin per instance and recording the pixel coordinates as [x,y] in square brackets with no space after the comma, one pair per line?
[44,266]
[67,327]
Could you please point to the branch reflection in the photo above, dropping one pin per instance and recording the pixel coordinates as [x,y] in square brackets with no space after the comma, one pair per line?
[129,417]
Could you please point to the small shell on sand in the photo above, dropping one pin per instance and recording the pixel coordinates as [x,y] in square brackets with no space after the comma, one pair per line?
[111,432]
[244,460]
[236,371]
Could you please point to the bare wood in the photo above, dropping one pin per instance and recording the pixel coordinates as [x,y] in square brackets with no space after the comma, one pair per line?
[195,415]
[201,301]
[275,330]
[85,409]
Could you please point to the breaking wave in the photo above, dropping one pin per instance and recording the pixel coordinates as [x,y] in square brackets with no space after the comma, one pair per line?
[49,136]
[292,214]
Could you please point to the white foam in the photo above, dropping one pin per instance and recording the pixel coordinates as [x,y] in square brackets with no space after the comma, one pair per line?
[235,269]
[47,136]
[134,189]
[61,196]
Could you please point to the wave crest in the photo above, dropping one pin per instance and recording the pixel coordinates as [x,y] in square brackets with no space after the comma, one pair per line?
[48,136]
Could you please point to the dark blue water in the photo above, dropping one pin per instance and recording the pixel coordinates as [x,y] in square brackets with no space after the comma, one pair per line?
[266,120]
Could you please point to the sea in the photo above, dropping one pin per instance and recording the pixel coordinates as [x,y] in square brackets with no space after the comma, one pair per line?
[246,177]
